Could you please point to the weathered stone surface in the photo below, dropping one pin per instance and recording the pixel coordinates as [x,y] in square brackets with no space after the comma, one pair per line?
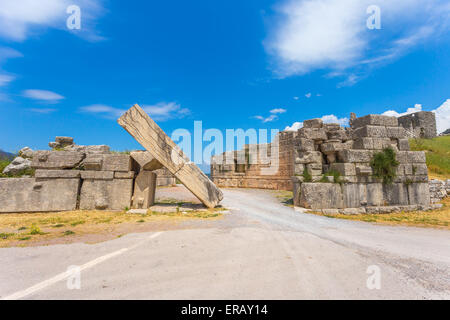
[375,120]
[340,134]
[351,195]
[64,141]
[411,157]
[313,123]
[17,166]
[144,190]
[363,170]
[93,162]
[345,169]
[124,175]
[321,196]
[370,132]
[314,169]
[403,145]
[97,175]
[26,153]
[354,156]
[375,194]
[106,194]
[419,193]
[305,145]
[308,157]
[56,160]
[396,194]
[420,124]
[316,134]
[100,149]
[395,132]
[331,147]
[28,195]
[116,162]
[352,211]
[145,160]
[138,123]
[61,174]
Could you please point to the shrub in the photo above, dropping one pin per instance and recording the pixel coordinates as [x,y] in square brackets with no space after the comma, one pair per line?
[384,165]
[332,173]
[306,176]
[35,230]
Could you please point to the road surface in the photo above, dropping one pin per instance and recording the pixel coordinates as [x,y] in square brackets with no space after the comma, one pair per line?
[260,250]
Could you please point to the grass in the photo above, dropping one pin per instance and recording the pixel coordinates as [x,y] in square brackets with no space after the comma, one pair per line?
[438,155]
[285,197]
[34,227]
[384,165]
[5,162]
[439,218]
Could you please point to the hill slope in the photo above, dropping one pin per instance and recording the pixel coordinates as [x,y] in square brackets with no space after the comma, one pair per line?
[438,155]
[6,155]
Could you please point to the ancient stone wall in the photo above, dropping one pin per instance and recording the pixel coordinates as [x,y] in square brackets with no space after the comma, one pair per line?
[71,177]
[420,124]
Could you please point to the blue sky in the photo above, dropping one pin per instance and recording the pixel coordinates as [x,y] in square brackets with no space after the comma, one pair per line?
[232,64]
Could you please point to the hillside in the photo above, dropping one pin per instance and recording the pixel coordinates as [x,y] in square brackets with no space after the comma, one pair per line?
[438,155]
[6,155]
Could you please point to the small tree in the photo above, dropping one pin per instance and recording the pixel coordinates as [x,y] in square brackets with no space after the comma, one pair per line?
[384,165]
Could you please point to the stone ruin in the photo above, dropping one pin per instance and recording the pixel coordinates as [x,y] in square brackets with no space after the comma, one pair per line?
[71,177]
[419,125]
[307,155]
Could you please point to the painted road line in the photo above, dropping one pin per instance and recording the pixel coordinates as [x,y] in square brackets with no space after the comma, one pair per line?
[62,276]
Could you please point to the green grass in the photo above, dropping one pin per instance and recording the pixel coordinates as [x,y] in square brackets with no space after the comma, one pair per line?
[438,154]
[384,165]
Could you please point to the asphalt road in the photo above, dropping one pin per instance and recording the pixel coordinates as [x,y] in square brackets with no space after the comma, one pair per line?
[260,250]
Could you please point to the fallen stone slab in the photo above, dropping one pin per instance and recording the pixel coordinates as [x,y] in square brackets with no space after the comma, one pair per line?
[17,166]
[56,160]
[138,123]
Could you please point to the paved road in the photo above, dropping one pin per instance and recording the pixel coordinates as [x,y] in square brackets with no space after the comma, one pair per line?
[261,250]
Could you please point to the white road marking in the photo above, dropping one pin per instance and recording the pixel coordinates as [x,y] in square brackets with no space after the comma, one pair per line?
[64,275]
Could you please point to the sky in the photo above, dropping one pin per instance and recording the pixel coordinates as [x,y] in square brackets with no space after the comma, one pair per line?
[263,64]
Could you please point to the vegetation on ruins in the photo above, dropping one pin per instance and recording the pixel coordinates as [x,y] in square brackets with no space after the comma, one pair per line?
[384,165]
[437,151]
[306,176]
[332,173]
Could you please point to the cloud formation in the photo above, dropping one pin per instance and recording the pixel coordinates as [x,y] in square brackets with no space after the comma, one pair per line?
[333,35]
[330,118]
[273,115]
[43,95]
[159,112]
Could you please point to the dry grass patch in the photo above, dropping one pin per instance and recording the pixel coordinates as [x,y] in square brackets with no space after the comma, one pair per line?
[37,227]
[439,218]
[285,197]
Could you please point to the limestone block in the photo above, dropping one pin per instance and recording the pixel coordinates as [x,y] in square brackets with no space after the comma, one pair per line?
[411,157]
[419,194]
[305,144]
[331,147]
[370,132]
[106,194]
[100,149]
[375,120]
[345,169]
[17,166]
[382,143]
[116,162]
[26,153]
[396,132]
[396,194]
[340,134]
[314,169]
[314,123]
[419,169]
[145,160]
[124,175]
[53,174]
[308,157]
[299,169]
[351,195]
[332,127]
[64,141]
[144,190]
[363,170]
[29,195]
[315,134]
[374,194]
[352,211]
[354,156]
[403,145]
[56,160]
[97,175]
[363,144]
[321,196]
[93,162]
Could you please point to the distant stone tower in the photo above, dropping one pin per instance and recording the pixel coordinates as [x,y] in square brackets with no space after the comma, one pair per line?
[420,124]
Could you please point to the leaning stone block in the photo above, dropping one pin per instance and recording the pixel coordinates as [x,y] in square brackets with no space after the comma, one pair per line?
[97,175]
[375,120]
[345,169]
[106,194]
[124,175]
[321,196]
[53,174]
[56,159]
[144,190]
[354,156]
[314,123]
[116,162]
[29,195]
[145,160]
[370,132]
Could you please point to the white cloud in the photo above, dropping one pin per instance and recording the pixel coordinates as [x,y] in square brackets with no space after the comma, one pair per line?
[19,19]
[42,110]
[160,112]
[43,95]
[308,95]
[332,34]
[5,79]
[268,119]
[331,118]
[164,111]
[296,98]
[442,115]
[278,111]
